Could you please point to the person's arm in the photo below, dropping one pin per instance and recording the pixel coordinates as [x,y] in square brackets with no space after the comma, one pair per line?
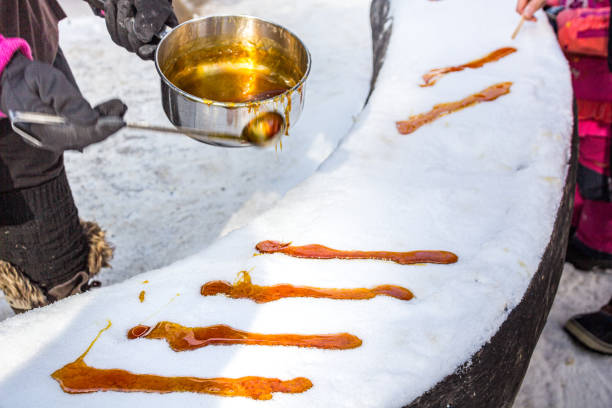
[133,24]
[27,85]
[527,8]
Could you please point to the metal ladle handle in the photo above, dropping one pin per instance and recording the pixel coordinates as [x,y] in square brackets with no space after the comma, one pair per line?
[251,135]
[21,117]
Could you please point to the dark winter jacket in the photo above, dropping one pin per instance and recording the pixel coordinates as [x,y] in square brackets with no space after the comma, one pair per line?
[36,22]
[21,165]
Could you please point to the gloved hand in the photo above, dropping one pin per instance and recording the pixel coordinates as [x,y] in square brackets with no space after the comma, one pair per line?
[133,24]
[38,87]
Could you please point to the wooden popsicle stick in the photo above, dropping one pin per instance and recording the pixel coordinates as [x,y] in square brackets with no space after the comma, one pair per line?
[518,27]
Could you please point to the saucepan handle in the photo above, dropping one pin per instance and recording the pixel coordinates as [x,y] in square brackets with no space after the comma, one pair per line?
[164,32]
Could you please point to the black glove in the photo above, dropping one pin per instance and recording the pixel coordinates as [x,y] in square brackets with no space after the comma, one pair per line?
[133,24]
[38,87]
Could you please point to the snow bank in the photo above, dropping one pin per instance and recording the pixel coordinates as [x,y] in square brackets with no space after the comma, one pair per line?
[484,183]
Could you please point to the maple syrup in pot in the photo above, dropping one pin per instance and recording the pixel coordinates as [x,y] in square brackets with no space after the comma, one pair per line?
[234,72]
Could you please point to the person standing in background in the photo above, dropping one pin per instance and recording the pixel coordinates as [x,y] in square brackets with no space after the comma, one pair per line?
[585,35]
[46,252]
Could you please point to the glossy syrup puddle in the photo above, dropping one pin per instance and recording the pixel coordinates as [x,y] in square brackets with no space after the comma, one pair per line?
[245,289]
[430,78]
[77,378]
[181,338]
[315,251]
[486,95]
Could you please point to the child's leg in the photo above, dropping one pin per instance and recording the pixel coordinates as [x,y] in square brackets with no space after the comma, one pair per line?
[595,228]
[591,245]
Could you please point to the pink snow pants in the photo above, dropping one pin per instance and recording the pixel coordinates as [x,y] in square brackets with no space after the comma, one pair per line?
[592,216]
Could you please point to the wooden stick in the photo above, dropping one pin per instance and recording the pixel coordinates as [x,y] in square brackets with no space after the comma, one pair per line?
[518,27]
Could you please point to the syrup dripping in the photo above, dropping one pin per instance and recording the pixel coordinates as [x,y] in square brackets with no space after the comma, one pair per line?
[287,116]
[77,378]
[182,338]
[245,289]
[141,296]
[486,95]
[430,78]
[315,251]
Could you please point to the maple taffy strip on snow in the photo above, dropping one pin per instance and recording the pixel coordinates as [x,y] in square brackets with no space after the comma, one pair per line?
[315,251]
[181,338]
[486,95]
[430,78]
[77,378]
[245,289]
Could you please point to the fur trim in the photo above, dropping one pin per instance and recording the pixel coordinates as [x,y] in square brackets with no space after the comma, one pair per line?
[100,251]
[20,292]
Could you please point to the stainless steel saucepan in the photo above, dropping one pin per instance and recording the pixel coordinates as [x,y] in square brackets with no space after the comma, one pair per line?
[244,43]
[241,40]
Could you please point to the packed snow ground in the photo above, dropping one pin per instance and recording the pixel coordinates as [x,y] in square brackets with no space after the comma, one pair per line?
[170,216]
[563,374]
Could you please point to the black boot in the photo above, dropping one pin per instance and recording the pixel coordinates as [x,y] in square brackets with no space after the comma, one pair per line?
[47,252]
[23,294]
[593,330]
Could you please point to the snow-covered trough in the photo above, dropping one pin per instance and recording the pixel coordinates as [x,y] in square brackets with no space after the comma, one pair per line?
[490,183]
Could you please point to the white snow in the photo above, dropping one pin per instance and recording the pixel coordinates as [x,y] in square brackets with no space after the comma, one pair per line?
[484,183]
